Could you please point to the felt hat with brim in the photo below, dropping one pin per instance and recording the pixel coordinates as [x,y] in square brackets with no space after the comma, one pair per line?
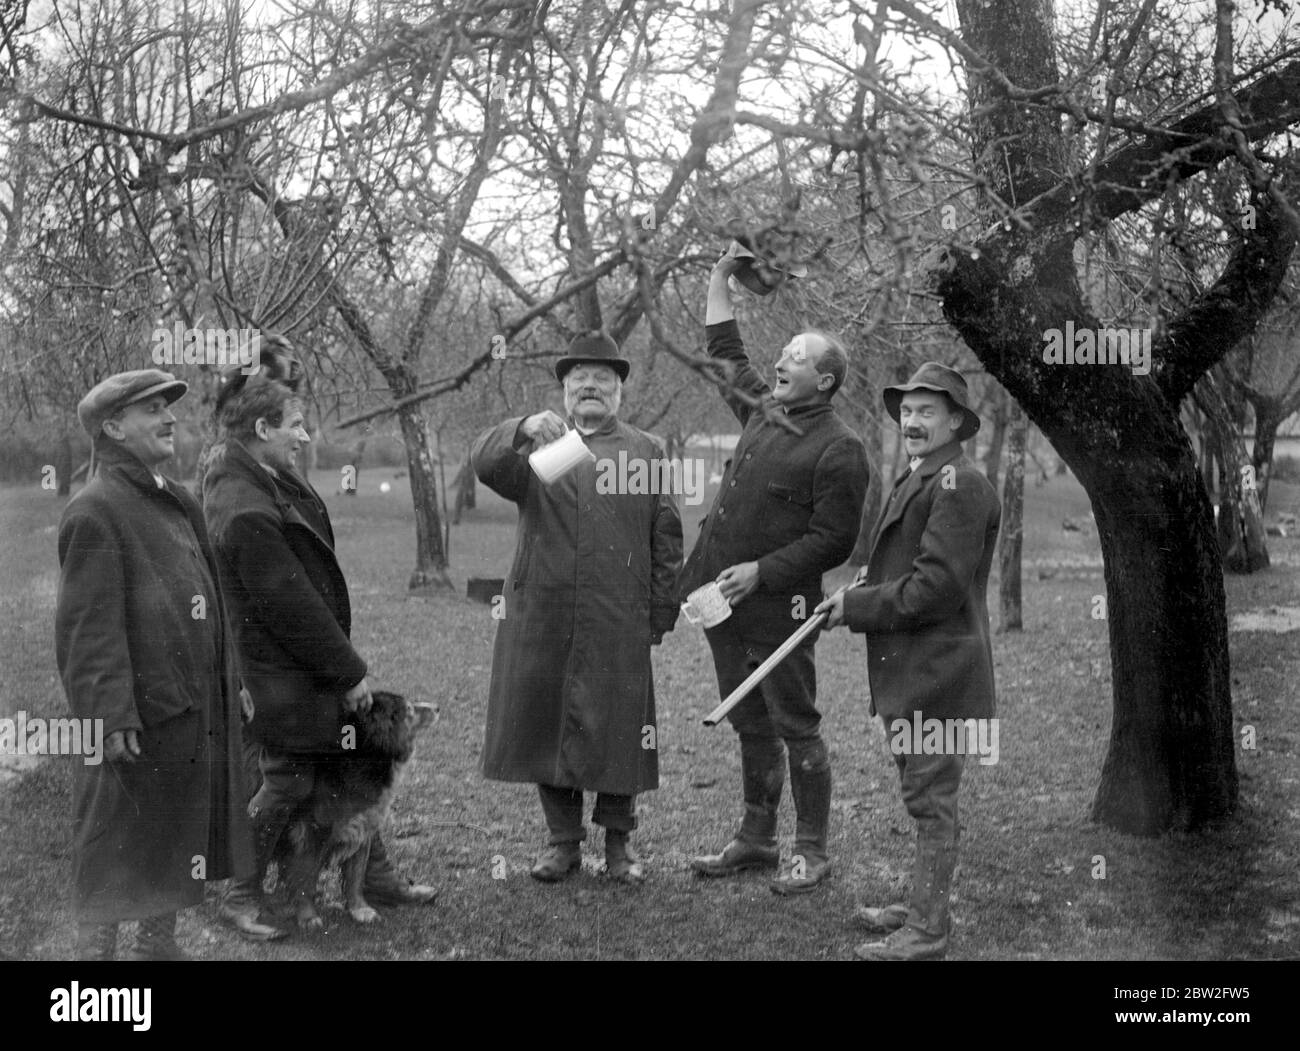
[941,379]
[746,250]
[125,388]
[592,348]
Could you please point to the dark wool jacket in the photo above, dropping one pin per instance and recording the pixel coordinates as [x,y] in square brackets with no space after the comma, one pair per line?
[790,502]
[287,599]
[924,608]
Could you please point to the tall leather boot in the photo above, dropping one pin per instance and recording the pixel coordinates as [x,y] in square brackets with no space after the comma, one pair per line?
[810,784]
[762,771]
[96,941]
[925,935]
[156,940]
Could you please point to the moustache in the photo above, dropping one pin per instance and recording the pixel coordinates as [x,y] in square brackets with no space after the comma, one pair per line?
[915,434]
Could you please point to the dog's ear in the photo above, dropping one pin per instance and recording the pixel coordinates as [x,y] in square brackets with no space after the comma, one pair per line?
[381,724]
[424,715]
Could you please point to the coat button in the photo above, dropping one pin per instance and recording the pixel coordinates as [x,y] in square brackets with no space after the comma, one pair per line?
[749,456]
[722,510]
[733,483]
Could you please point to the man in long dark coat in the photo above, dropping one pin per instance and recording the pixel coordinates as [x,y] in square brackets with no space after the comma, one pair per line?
[924,612]
[140,644]
[788,511]
[292,615]
[571,703]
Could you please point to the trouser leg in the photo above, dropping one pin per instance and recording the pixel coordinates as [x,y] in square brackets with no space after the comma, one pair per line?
[563,810]
[762,755]
[287,781]
[614,813]
[930,786]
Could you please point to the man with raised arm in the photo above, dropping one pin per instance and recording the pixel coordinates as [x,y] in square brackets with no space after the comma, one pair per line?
[788,511]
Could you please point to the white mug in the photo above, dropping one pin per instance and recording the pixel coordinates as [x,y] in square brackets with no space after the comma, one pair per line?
[552,462]
[707,605]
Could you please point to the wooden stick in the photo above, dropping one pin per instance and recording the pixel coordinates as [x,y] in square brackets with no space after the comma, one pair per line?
[763,670]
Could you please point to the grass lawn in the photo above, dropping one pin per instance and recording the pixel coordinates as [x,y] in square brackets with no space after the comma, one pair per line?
[1026,886]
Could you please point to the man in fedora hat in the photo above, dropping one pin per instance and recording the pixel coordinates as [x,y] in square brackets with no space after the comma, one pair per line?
[787,512]
[571,703]
[140,645]
[923,610]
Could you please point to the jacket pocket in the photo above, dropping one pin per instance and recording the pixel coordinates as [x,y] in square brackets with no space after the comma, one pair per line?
[790,494]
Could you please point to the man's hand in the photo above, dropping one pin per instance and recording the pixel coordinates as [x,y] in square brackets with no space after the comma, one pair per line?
[358,698]
[735,582]
[543,427]
[717,306]
[122,746]
[246,704]
[834,608]
[726,265]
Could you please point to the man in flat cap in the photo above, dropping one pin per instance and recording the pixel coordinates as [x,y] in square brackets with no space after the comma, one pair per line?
[292,617]
[787,512]
[571,704]
[140,644]
[923,610]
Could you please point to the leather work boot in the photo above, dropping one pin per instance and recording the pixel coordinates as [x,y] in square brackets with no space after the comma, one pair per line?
[384,885]
[96,941]
[805,875]
[621,861]
[557,862]
[925,934]
[736,856]
[156,940]
[810,784]
[241,909]
[880,921]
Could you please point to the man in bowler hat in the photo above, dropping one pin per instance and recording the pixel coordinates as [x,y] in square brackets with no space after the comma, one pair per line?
[571,706]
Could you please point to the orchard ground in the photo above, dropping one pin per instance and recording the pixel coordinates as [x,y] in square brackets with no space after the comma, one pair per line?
[1037,879]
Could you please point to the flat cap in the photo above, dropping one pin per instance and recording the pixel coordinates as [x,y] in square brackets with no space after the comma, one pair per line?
[109,395]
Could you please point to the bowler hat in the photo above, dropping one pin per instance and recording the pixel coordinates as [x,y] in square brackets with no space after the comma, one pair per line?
[942,380]
[746,249]
[125,388]
[592,348]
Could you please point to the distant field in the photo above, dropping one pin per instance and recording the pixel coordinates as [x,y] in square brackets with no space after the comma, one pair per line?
[1025,889]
